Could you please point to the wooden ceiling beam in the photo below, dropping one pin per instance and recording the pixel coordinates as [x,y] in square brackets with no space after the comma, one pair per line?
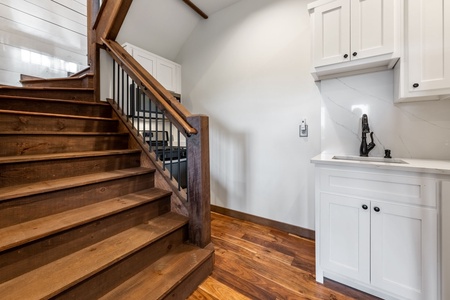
[196,9]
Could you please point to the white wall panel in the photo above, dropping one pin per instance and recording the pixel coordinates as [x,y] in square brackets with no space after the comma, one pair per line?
[78,16]
[53,33]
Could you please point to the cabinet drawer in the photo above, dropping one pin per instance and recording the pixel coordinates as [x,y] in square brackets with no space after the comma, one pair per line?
[414,190]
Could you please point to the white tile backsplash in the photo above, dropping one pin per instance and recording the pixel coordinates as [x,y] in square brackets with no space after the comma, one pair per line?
[410,130]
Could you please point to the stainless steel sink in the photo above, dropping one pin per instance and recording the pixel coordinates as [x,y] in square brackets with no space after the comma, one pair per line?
[370,159]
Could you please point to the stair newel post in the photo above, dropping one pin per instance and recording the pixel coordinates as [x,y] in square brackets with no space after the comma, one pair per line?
[93,7]
[198,176]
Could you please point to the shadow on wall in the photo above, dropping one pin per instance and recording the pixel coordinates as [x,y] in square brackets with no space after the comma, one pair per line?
[229,186]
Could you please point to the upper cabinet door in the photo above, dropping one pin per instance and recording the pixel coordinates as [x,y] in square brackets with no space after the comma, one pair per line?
[354,36]
[428,45]
[372,28]
[146,59]
[168,74]
[331,33]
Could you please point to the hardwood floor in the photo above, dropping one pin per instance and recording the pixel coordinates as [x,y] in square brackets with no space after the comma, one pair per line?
[258,262]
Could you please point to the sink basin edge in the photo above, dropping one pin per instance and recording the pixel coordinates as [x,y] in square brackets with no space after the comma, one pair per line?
[369,159]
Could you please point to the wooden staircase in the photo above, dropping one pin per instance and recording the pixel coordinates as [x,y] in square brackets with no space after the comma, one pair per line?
[80,217]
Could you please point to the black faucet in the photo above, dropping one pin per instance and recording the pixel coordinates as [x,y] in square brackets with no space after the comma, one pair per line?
[364,149]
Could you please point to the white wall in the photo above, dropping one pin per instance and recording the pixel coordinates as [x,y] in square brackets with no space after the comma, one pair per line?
[44,38]
[410,130]
[247,67]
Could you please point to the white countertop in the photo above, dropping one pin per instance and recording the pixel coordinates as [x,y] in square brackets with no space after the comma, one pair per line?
[409,165]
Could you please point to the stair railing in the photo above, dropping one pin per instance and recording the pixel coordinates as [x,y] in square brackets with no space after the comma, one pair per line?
[153,110]
[159,119]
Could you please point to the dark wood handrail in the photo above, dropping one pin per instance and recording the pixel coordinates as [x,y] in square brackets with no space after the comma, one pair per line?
[165,101]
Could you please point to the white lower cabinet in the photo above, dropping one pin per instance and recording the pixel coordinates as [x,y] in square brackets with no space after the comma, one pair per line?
[404,250]
[378,232]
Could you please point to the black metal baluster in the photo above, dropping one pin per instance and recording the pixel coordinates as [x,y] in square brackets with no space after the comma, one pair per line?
[179,159]
[114,78]
[128,95]
[156,132]
[170,149]
[144,136]
[122,83]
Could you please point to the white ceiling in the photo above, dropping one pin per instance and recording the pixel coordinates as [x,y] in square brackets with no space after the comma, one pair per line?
[162,26]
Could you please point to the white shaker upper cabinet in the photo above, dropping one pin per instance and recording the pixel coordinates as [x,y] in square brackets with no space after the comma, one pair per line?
[353,36]
[169,75]
[424,70]
[331,33]
[167,72]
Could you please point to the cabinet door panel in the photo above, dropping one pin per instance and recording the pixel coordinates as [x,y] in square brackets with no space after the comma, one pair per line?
[404,255]
[332,33]
[167,74]
[147,60]
[345,236]
[445,239]
[428,45]
[372,27]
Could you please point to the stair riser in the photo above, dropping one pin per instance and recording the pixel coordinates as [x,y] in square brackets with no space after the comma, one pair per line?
[29,208]
[25,258]
[56,107]
[190,284]
[47,144]
[29,123]
[60,94]
[101,283]
[35,171]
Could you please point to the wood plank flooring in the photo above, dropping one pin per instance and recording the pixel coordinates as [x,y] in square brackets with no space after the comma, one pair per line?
[258,262]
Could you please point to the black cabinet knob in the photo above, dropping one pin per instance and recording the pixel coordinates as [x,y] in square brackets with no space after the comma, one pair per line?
[355,53]
[345,55]
[415,85]
[377,209]
[365,207]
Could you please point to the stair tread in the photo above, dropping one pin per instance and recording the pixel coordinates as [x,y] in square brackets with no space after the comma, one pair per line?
[157,280]
[28,78]
[47,281]
[39,114]
[101,103]
[62,133]
[25,232]
[56,156]
[18,191]
[46,88]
